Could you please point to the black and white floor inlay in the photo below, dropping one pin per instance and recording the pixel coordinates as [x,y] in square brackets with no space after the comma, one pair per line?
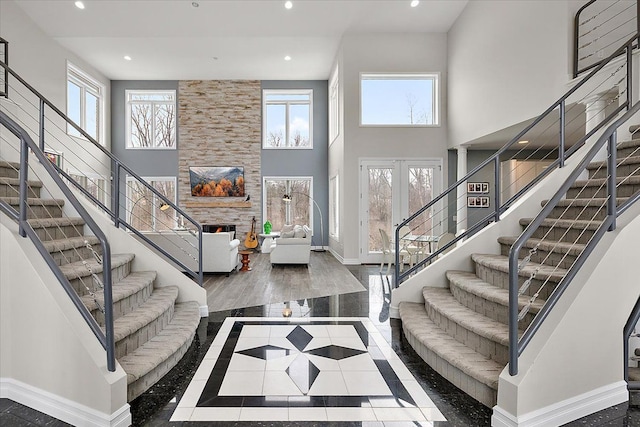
[318,369]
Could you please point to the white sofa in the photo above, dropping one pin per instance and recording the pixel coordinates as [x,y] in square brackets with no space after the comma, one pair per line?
[219,250]
[292,250]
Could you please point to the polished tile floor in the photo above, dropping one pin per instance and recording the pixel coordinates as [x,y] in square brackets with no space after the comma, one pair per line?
[370,309]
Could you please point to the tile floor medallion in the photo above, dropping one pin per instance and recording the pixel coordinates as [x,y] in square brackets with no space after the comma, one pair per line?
[316,369]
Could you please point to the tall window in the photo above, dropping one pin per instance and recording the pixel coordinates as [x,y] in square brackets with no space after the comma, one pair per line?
[277,211]
[84,103]
[399,100]
[287,119]
[143,205]
[151,119]
[334,107]
[334,208]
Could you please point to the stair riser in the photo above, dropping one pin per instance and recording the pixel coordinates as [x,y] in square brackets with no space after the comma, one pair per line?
[42,211]
[7,190]
[543,256]
[624,190]
[589,213]
[490,309]
[480,344]
[562,234]
[144,334]
[621,171]
[117,273]
[59,232]
[621,153]
[68,256]
[8,172]
[501,279]
[126,305]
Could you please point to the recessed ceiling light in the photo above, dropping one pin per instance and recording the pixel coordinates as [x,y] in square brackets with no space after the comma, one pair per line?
[79,5]
[414,3]
[288,4]
[127,57]
[523,142]
[195,4]
[287,58]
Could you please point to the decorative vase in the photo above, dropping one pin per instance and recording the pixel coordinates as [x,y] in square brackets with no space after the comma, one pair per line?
[267,227]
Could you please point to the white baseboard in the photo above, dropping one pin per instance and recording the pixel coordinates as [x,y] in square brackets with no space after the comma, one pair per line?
[566,411]
[62,408]
[204,311]
[344,261]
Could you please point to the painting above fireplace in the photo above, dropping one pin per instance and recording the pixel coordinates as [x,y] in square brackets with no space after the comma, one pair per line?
[216,181]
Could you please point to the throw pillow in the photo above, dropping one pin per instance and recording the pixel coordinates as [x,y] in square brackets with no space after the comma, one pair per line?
[286,234]
[298,232]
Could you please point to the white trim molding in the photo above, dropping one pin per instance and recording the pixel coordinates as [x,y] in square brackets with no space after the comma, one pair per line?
[567,410]
[62,408]
[204,311]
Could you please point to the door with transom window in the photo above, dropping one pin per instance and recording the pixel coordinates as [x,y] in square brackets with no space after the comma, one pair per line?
[392,190]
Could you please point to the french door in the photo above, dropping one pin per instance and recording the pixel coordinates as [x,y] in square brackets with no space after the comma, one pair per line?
[391,191]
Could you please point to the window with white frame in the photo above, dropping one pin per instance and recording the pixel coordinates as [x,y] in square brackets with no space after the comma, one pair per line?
[297,211]
[95,184]
[143,205]
[334,107]
[151,119]
[287,117]
[84,103]
[334,208]
[399,99]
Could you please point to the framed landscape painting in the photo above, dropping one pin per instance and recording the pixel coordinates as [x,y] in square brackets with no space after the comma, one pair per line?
[216,181]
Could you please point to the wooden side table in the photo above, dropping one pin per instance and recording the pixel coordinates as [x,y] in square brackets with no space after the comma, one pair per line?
[245,260]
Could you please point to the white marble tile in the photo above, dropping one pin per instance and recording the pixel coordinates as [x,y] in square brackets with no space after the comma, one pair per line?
[192,394]
[350,414]
[419,395]
[360,362]
[407,424]
[181,414]
[308,414]
[401,371]
[399,414]
[323,363]
[281,363]
[317,331]
[264,414]
[329,384]
[215,414]
[204,370]
[344,331]
[255,331]
[283,343]
[241,362]
[433,414]
[278,383]
[250,342]
[213,352]
[365,383]
[349,342]
[281,330]
[238,383]
[318,343]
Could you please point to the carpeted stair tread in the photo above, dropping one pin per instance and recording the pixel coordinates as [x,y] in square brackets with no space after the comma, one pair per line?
[629,143]
[76,270]
[415,318]
[471,283]
[579,224]
[630,160]
[123,288]
[55,222]
[602,182]
[441,300]
[159,348]
[33,201]
[634,128]
[586,202]
[545,245]
[9,165]
[501,263]
[160,301]
[70,243]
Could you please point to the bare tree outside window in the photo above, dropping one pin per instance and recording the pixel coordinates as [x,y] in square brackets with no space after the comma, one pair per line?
[276,208]
[143,206]
[152,119]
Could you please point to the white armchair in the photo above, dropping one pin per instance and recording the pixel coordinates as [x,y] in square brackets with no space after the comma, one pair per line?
[293,246]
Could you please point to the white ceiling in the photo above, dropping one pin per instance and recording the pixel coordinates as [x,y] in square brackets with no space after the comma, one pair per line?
[171,39]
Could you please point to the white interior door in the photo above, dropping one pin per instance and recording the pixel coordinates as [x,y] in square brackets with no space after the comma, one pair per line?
[392,190]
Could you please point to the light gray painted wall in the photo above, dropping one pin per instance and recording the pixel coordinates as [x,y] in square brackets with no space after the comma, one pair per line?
[508,61]
[312,162]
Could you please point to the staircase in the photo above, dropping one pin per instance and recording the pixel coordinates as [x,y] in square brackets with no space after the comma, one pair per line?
[152,331]
[462,331]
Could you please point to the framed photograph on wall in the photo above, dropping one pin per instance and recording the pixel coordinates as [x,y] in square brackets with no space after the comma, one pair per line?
[478,201]
[478,187]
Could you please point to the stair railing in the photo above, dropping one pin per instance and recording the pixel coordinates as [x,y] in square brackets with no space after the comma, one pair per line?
[599,27]
[609,137]
[27,144]
[5,58]
[629,328]
[554,150]
[117,170]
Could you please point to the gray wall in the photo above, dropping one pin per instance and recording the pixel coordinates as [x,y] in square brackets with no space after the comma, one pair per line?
[143,162]
[306,162]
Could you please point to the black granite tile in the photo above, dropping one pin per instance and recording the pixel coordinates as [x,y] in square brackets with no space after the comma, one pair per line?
[335,352]
[299,338]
